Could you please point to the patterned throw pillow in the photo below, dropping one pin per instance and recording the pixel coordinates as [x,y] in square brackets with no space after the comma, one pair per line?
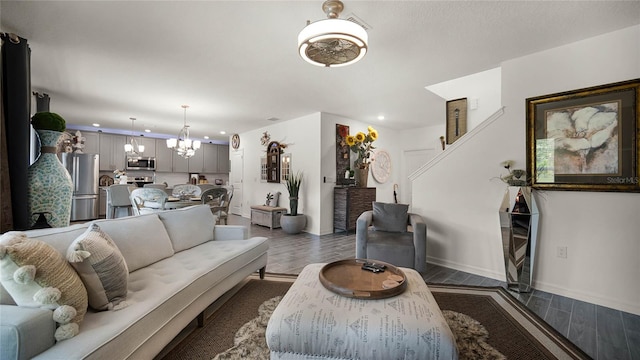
[37,275]
[101,267]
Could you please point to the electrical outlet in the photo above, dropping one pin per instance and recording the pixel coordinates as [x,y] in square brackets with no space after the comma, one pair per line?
[562,252]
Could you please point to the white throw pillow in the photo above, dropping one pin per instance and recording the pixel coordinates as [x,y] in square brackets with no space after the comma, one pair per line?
[37,275]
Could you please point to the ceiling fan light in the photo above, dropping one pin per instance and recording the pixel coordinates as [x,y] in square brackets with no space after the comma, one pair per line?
[332,42]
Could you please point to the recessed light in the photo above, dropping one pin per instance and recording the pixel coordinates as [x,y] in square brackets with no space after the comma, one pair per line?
[96,124]
[223,132]
[206,137]
[147,130]
[380,117]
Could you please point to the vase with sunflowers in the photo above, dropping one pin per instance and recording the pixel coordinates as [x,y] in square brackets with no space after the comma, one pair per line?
[362,144]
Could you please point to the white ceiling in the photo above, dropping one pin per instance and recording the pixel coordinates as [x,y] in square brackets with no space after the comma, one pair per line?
[236,63]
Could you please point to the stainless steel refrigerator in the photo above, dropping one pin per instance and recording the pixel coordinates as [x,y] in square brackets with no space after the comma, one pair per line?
[84,171]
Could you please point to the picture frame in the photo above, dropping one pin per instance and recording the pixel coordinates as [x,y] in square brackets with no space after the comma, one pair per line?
[343,156]
[585,139]
[456,119]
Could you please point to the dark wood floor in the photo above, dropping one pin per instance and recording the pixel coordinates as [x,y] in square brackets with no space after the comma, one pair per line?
[601,332]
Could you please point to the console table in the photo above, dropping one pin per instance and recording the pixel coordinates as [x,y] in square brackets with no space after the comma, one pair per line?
[267,215]
[349,203]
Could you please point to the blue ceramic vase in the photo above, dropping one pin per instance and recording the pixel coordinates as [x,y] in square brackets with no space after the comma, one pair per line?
[50,187]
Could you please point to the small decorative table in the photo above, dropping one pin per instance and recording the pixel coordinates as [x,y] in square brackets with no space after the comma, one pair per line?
[312,322]
[267,215]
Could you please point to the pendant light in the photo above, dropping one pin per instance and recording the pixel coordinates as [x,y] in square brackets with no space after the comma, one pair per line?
[132,147]
[332,42]
[183,145]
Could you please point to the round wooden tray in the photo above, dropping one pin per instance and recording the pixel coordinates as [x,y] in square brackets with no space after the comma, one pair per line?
[347,278]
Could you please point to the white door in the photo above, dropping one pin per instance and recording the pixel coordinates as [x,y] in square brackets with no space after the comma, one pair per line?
[235,178]
[412,161]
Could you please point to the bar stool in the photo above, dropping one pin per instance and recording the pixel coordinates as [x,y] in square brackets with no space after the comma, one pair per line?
[118,198]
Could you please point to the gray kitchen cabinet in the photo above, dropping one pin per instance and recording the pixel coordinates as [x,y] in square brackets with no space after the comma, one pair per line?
[102,206]
[210,154]
[164,156]
[91,142]
[149,146]
[196,161]
[180,164]
[112,152]
[223,159]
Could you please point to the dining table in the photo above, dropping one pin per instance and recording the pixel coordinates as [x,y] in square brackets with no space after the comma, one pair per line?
[176,203]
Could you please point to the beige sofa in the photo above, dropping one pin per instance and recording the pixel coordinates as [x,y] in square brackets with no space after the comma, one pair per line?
[179,263]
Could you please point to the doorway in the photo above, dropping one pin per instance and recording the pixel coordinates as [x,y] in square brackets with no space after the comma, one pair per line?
[235,178]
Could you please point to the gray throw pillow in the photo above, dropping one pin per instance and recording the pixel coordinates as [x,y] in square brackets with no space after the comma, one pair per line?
[390,217]
[101,267]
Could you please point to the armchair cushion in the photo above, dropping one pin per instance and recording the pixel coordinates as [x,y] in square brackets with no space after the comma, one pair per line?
[390,217]
[395,248]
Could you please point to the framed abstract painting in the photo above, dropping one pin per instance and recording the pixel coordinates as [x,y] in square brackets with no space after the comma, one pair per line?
[586,139]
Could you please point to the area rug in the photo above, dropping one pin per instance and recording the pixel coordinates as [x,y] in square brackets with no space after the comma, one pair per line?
[487,322]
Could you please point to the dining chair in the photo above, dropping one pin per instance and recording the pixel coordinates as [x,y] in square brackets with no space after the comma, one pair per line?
[204,187]
[118,199]
[217,200]
[186,190]
[148,200]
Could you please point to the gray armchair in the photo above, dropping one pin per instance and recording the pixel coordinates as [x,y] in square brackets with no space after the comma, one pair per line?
[382,234]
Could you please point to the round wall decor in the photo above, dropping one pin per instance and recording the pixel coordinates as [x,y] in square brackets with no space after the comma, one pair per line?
[381,166]
[235,141]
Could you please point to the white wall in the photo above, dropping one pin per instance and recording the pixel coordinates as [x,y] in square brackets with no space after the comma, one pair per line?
[388,140]
[303,139]
[482,91]
[460,197]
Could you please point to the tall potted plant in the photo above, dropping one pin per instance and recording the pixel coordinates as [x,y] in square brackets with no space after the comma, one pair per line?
[293,222]
[49,185]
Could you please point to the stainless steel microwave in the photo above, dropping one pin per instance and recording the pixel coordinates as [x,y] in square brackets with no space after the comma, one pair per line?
[141,163]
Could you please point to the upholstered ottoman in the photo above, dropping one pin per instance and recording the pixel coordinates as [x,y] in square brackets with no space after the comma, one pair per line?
[312,322]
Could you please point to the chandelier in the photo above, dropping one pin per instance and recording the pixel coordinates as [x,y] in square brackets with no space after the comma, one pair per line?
[332,42]
[183,145]
[132,147]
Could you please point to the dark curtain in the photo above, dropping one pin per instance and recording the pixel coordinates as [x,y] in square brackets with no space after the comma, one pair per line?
[16,107]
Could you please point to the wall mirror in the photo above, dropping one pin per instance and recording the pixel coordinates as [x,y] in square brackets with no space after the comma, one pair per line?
[285,167]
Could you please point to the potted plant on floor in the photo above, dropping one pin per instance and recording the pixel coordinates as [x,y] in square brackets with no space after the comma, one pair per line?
[293,222]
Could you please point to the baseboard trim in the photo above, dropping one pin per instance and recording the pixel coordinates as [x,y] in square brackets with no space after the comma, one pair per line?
[589,297]
[466,268]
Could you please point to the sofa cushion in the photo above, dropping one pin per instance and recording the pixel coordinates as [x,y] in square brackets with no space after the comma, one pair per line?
[188,227]
[36,275]
[142,240]
[390,217]
[59,238]
[25,332]
[101,267]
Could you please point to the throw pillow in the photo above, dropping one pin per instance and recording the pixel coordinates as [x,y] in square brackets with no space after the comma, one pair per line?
[37,275]
[101,267]
[390,217]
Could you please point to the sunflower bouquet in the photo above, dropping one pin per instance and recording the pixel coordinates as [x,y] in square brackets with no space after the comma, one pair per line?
[362,144]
